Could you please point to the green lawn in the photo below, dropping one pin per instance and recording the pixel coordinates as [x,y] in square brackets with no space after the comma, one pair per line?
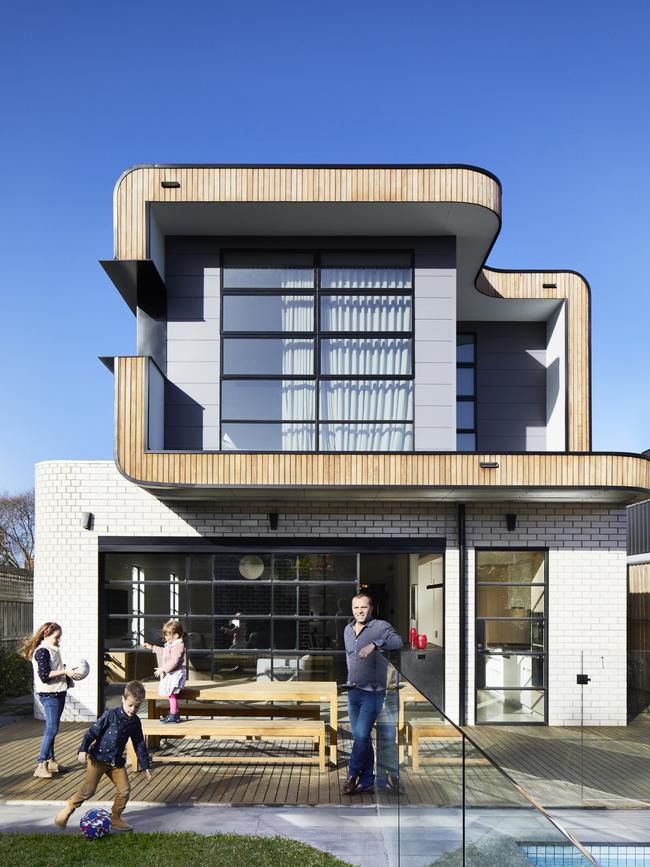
[160,850]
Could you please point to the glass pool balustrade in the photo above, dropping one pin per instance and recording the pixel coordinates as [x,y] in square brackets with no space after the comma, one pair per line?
[442,801]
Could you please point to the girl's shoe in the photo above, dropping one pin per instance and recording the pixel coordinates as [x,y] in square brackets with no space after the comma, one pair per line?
[172,718]
[164,719]
[42,771]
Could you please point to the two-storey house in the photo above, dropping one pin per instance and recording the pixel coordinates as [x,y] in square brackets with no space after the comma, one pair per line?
[330,390]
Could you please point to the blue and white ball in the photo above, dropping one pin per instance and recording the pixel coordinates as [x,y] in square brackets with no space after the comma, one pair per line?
[95,824]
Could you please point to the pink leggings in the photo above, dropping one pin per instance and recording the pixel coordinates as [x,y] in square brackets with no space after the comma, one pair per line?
[173,704]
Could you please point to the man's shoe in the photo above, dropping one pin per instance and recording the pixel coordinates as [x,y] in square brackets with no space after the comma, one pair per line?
[366,790]
[391,786]
[172,718]
[350,786]
[62,816]
[118,824]
[42,771]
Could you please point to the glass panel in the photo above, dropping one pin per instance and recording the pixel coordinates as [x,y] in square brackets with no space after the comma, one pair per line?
[197,598]
[288,436]
[465,348]
[326,600]
[143,567]
[509,705]
[306,666]
[199,633]
[268,399]
[465,381]
[327,567]
[466,442]
[510,635]
[510,601]
[366,356]
[201,567]
[239,599]
[235,567]
[236,665]
[465,414]
[365,278]
[268,313]
[242,633]
[514,566]
[285,634]
[268,356]
[285,568]
[509,669]
[366,400]
[254,270]
[365,313]
[383,437]
[285,598]
[321,634]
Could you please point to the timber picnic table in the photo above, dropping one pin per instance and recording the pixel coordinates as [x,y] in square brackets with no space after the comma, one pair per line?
[321,691]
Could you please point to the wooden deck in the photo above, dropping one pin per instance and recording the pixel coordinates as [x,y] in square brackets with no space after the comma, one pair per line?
[546,761]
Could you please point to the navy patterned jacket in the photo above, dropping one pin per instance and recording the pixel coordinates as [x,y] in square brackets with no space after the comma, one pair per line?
[109,735]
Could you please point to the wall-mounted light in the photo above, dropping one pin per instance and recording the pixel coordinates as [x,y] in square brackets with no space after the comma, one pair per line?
[549,285]
[511,521]
[489,465]
[273,520]
[168,185]
[87,520]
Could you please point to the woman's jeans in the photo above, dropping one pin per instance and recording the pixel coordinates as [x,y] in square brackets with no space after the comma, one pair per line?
[363,707]
[53,704]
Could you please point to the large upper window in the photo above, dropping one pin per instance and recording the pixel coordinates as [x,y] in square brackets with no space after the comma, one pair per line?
[317,351]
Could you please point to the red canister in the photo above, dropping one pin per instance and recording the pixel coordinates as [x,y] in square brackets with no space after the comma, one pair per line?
[413,638]
[422,642]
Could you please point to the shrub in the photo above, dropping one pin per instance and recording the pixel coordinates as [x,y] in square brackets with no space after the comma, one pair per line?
[15,674]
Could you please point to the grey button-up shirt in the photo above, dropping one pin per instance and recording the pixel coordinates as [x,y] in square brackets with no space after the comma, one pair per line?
[370,673]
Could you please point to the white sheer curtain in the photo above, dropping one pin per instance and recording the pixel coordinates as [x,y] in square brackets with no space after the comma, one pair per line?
[366,278]
[366,313]
[297,358]
[384,404]
[382,437]
[366,356]
[268,278]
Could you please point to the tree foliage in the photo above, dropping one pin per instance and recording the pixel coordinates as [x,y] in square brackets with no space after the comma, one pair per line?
[17,530]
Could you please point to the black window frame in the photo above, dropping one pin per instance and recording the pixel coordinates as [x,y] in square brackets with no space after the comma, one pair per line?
[543,620]
[317,335]
[468,398]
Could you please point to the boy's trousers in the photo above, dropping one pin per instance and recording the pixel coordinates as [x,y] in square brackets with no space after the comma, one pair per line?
[94,772]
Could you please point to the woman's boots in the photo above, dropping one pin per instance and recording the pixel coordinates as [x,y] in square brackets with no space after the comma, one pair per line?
[43,772]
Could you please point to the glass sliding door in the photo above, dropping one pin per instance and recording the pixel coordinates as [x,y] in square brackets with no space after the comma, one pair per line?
[511,636]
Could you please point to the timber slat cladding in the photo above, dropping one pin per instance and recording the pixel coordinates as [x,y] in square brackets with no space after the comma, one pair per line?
[452,470]
[286,184]
[571,287]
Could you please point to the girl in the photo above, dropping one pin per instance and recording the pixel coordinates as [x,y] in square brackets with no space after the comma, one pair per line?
[51,686]
[171,667]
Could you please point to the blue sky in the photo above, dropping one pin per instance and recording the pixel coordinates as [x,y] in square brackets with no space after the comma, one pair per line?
[553,98]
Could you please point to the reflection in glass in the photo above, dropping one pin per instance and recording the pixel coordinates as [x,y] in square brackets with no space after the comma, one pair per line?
[510,635]
[465,381]
[370,356]
[511,566]
[365,278]
[509,670]
[465,442]
[268,437]
[383,437]
[239,599]
[269,356]
[261,399]
[268,313]
[365,312]
[465,414]
[322,634]
[226,566]
[510,600]
[366,400]
[465,348]
[509,706]
[327,567]
[255,270]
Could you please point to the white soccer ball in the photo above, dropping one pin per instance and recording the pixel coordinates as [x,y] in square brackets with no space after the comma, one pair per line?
[80,667]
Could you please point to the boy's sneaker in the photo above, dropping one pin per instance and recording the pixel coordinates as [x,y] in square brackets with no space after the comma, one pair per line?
[350,786]
[118,824]
[172,718]
[62,816]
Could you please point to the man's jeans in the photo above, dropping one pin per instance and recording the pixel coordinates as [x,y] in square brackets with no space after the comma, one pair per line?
[53,704]
[387,761]
[363,707]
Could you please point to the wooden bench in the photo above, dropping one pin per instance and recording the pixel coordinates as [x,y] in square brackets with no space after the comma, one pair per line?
[422,728]
[207,708]
[309,730]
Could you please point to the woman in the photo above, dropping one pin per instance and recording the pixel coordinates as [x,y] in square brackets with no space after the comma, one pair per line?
[51,686]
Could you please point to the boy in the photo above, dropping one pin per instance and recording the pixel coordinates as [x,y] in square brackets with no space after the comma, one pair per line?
[106,756]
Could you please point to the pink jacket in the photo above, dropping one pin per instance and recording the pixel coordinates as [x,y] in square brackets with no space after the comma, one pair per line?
[170,657]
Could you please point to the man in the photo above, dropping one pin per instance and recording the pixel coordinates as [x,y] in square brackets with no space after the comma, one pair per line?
[366,643]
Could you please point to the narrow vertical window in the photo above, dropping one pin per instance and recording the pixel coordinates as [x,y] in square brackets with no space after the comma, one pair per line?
[466,392]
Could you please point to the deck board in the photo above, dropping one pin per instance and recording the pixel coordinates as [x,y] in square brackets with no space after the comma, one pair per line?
[608,766]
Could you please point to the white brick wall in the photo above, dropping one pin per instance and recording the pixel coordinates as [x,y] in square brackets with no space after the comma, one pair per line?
[587,581]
